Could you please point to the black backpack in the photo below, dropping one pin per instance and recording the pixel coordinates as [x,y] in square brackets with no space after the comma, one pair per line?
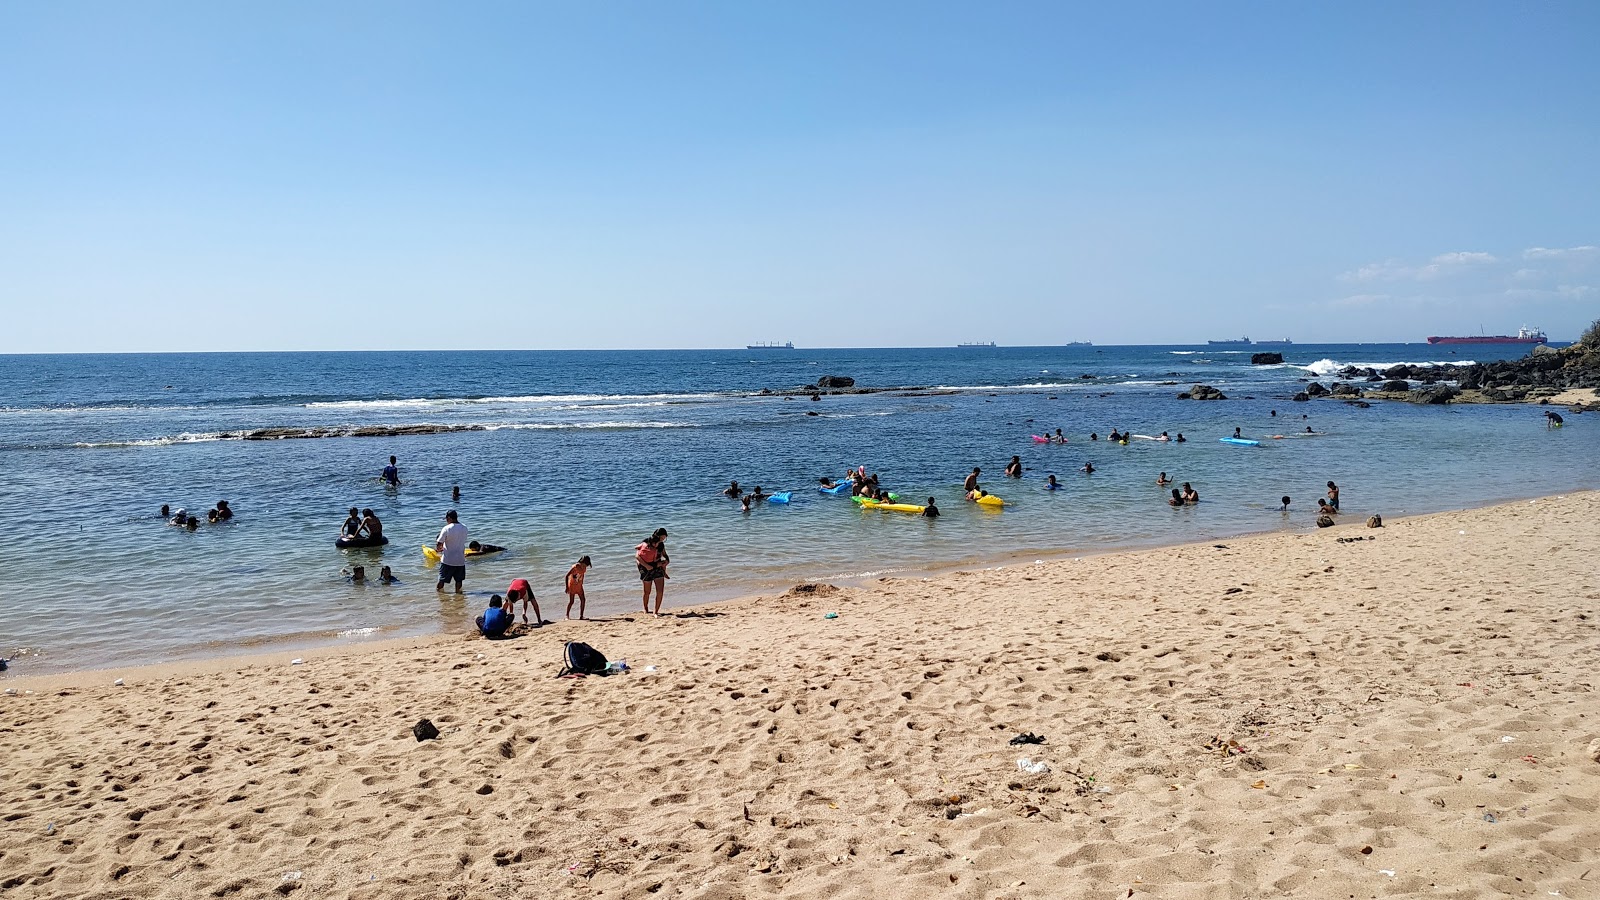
[582,659]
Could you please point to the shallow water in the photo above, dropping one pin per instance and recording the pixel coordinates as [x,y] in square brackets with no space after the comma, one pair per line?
[587,452]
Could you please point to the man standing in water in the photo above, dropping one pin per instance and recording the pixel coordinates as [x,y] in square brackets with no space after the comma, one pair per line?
[391,473]
[452,548]
[971,484]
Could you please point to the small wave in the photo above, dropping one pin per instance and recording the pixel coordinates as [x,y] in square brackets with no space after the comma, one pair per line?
[184,438]
[414,402]
[1329,367]
[1035,385]
[357,632]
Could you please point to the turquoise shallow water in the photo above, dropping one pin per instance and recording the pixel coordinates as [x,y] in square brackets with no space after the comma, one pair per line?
[586,452]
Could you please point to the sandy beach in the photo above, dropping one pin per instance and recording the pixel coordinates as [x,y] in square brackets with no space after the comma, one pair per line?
[1353,712]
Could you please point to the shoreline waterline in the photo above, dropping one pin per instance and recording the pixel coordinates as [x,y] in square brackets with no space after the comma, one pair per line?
[340,646]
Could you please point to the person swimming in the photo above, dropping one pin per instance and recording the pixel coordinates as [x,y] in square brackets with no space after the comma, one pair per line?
[1176,499]
[931,511]
[744,503]
[387,577]
[358,575]
[732,490]
[1088,468]
[1014,468]
[1050,483]
[1181,439]
[224,511]
[475,547]
[1094,436]
[758,494]
[1163,479]
[1285,506]
[1058,437]
[1190,495]
[1115,435]
[1164,437]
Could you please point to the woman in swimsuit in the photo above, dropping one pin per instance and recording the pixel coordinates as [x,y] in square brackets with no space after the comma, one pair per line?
[651,557]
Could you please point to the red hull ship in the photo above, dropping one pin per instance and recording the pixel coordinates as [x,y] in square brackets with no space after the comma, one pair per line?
[1523,336]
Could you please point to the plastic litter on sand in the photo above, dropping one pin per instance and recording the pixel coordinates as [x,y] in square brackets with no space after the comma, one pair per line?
[832,615]
[1032,768]
[296,662]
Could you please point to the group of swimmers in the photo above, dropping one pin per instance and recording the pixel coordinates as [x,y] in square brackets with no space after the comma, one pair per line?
[182,518]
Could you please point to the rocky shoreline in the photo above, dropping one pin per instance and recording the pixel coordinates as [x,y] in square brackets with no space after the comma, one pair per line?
[1543,376]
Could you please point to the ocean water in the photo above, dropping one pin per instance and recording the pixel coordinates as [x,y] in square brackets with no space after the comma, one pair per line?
[587,452]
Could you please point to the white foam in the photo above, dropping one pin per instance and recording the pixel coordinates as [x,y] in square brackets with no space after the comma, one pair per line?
[1329,367]
[529,399]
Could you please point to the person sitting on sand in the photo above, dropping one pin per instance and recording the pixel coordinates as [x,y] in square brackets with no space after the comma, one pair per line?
[1553,419]
[1285,506]
[971,484]
[931,511]
[1163,479]
[1088,468]
[1176,499]
[1014,468]
[1050,483]
[521,590]
[732,490]
[387,577]
[351,529]
[1190,495]
[494,621]
[480,549]
[371,525]
[575,586]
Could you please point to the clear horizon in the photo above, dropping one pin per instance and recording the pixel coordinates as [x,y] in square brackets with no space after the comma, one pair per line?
[182,177]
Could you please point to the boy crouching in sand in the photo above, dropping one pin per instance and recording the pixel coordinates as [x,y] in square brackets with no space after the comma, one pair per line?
[521,590]
[575,586]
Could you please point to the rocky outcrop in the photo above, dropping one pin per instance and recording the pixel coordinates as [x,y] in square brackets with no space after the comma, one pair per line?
[1302,397]
[1396,386]
[286,434]
[1340,389]
[836,381]
[1265,359]
[1317,390]
[1434,394]
[1202,392]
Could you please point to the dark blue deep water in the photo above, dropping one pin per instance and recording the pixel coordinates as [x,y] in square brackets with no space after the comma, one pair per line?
[587,452]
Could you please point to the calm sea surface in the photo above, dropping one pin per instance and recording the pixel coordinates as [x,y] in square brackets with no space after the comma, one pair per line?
[587,452]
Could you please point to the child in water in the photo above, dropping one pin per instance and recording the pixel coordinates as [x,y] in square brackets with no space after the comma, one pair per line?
[1285,506]
[1176,499]
[358,575]
[575,586]
[387,577]
[1163,479]
[1050,483]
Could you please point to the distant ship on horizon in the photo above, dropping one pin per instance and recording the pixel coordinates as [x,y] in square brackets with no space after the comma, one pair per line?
[1524,335]
[1246,342]
[976,345]
[1080,343]
[773,345]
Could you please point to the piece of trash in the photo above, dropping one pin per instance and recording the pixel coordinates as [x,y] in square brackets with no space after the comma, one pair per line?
[293,876]
[1461,532]
[1507,739]
[11,690]
[296,662]
[50,829]
[1491,818]
[1038,562]
[572,869]
[1351,766]
[649,668]
[832,615]
[1531,760]
[1027,737]
[1259,785]
[1367,850]
[118,682]
[424,730]
[1388,872]
[1030,767]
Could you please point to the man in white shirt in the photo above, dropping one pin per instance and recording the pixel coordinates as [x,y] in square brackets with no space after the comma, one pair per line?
[452,547]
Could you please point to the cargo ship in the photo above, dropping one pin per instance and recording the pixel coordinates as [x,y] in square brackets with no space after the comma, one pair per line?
[1246,342]
[786,345]
[976,345]
[1524,335]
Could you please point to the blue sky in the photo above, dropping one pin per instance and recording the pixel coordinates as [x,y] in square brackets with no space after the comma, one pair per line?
[194,176]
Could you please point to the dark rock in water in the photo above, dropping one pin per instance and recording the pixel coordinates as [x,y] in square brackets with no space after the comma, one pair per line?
[1316,389]
[1345,390]
[1302,397]
[283,434]
[1401,371]
[424,730]
[1437,394]
[816,398]
[1087,377]
[1358,404]
[1397,385]
[1265,359]
[836,381]
[812,412]
[1374,377]
[1205,392]
[1184,395]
